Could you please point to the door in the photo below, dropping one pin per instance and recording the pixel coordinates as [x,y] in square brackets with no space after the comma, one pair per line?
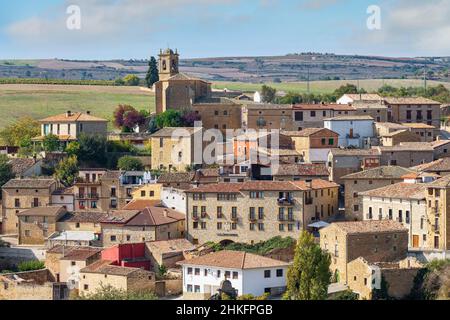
[415,241]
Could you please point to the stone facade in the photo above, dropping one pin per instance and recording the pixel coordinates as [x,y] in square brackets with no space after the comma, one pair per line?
[313,115]
[438,213]
[21,195]
[267,116]
[219,115]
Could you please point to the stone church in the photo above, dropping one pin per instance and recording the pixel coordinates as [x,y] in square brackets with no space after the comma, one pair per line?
[176,90]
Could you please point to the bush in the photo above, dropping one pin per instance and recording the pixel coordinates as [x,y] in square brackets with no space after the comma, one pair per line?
[31,266]
[110,293]
[129,163]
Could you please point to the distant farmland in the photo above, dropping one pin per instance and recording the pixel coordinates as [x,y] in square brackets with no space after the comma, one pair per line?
[39,101]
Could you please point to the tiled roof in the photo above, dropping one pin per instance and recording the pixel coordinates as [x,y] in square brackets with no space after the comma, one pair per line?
[141,204]
[390,125]
[266,106]
[80,254]
[408,146]
[84,217]
[385,172]
[410,100]
[43,211]
[59,249]
[441,183]
[278,152]
[438,165]
[369,226]
[105,267]
[263,186]
[396,133]
[75,116]
[183,77]
[234,260]
[400,190]
[335,107]
[208,173]
[63,191]
[174,245]
[119,216]
[156,216]
[180,132]
[38,183]
[307,132]
[355,152]
[176,177]
[20,165]
[302,169]
[417,125]
[364,96]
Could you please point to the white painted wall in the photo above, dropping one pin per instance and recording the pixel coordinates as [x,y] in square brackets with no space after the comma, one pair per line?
[175,199]
[318,155]
[64,200]
[363,128]
[345,100]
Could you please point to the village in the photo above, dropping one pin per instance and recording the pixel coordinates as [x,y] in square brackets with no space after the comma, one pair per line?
[365,181]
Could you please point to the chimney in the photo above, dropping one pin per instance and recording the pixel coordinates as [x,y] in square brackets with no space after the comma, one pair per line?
[309,184]
[68,113]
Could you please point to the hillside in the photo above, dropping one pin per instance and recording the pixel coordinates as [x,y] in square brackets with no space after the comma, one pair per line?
[288,68]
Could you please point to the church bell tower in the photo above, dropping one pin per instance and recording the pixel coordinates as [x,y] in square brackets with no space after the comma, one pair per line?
[168,64]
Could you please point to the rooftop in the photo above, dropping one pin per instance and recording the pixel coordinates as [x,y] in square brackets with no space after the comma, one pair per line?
[38,183]
[119,216]
[20,165]
[167,246]
[410,100]
[43,211]
[74,236]
[141,204]
[105,267]
[400,190]
[176,177]
[369,226]
[302,169]
[335,107]
[438,165]
[441,183]
[307,132]
[350,118]
[364,96]
[355,152]
[156,216]
[169,132]
[418,125]
[83,217]
[81,254]
[72,117]
[385,172]
[234,260]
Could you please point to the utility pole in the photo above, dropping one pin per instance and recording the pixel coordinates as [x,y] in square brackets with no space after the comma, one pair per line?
[425,78]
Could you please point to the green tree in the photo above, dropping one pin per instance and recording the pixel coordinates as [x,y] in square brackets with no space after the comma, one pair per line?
[6,173]
[346,89]
[345,295]
[92,149]
[152,75]
[169,118]
[131,80]
[30,265]
[51,143]
[128,163]
[73,148]
[309,277]
[20,132]
[67,171]
[268,94]
[109,292]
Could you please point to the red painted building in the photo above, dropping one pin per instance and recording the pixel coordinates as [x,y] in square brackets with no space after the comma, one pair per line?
[128,255]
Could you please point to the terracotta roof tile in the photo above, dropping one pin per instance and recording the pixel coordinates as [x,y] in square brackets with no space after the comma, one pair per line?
[335,107]
[105,267]
[84,217]
[400,190]
[307,132]
[81,254]
[156,216]
[43,211]
[302,169]
[410,100]
[234,260]
[438,165]
[385,172]
[369,226]
[75,116]
[39,183]
[141,204]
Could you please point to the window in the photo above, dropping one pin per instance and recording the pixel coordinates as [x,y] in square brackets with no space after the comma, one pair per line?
[279,273]
[189,288]
[197,289]
[219,213]
[281,227]
[113,238]
[189,271]
[407,216]
[252,226]
[203,225]
[86,287]
[143,193]
[197,271]
[73,263]
[227,274]
[17,203]
[261,226]
[260,213]
[256,195]
[267,274]
[235,275]
[219,225]
[152,193]
[400,216]
[331,142]
[299,116]
[324,141]
[313,114]
[390,214]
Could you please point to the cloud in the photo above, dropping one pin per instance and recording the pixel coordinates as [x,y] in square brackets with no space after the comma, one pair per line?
[318,4]
[422,27]
[108,19]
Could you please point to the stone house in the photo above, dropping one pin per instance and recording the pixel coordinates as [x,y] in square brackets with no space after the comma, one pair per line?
[365,277]
[300,172]
[403,202]
[248,273]
[266,116]
[151,191]
[23,194]
[422,130]
[406,154]
[176,148]
[64,197]
[101,273]
[30,285]
[73,261]
[81,221]
[313,115]
[256,211]
[219,113]
[38,224]
[373,240]
[342,162]
[377,110]
[168,252]
[375,178]
[440,167]
[314,144]
[355,98]
[398,137]
[150,224]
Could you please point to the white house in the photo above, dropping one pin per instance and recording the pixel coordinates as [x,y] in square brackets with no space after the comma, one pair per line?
[354,131]
[248,274]
[174,198]
[364,97]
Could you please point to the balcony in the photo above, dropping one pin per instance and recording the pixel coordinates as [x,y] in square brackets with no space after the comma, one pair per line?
[285,202]
[94,196]
[251,218]
[234,218]
[195,217]
[80,180]
[281,218]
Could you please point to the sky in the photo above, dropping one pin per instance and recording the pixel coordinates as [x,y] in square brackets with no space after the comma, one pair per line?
[136,29]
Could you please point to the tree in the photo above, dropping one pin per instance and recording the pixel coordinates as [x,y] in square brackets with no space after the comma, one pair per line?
[21,132]
[346,89]
[152,74]
[309,276]
[189,118]
[6,173]
[345,295]
[131,80]
[51,143]
[67,171]
[128,163]
[169,118]
[30,265]
[268,94]
[73,148]
[127,118]
[92,149]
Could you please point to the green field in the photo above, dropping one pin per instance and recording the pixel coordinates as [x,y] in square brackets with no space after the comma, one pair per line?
[326,86]
[39,103]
